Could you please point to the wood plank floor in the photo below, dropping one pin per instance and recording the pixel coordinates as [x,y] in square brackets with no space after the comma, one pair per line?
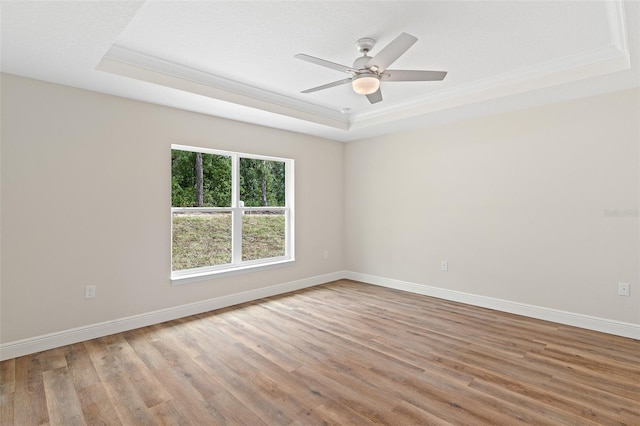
[340,353]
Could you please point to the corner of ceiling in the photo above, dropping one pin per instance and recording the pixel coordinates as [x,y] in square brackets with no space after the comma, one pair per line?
[617,24]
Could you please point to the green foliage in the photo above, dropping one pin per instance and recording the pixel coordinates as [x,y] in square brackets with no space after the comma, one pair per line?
[183,181]
[217,179]
[262,182]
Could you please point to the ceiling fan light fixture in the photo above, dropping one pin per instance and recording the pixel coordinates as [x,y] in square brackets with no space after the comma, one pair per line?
[365,84]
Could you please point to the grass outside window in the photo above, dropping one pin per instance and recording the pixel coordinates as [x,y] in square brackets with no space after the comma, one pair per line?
[204,239]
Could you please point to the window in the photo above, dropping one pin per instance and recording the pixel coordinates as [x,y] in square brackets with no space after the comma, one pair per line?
[229,212]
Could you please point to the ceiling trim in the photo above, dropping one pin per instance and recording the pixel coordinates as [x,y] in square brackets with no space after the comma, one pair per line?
[593,63]
[596,62]
[129,63]
[568,69]
[617,27]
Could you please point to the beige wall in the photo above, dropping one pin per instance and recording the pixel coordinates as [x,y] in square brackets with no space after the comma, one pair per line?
[521,205]
[86,197]
[517,203]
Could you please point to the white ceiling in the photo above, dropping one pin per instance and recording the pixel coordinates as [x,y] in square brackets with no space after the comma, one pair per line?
[234,59]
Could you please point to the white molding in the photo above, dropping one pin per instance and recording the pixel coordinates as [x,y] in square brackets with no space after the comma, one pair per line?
[591,63]
[588,322]
[617,25]
[80,334]
[598,61]
[211,273]
[141,66]
[564,70]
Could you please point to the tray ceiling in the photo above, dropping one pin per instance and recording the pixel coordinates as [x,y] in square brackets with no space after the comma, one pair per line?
[236,60]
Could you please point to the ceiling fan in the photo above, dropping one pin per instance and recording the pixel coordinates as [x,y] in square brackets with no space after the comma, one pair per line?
[367,72]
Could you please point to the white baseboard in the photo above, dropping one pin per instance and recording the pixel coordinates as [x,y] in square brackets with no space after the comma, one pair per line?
[617,328]
[75,335]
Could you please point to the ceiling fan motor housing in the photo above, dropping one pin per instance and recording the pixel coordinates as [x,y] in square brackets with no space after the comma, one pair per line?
[361,62]
[365,45]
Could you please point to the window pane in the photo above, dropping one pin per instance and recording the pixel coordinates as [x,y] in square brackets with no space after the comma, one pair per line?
[263,235]
[200,239]
[200,180]
[262,182]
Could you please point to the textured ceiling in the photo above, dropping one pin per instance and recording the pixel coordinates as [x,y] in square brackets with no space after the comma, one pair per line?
[235,59]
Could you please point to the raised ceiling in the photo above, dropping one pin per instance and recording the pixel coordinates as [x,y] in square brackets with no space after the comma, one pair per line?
[236,60]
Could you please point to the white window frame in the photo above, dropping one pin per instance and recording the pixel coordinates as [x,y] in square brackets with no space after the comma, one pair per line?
[237,265]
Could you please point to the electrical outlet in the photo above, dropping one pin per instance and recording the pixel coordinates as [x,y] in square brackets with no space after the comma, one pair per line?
[444,265]
[90,292]
[623,289]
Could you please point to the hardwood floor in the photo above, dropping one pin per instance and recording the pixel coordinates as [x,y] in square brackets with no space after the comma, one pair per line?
[341,353]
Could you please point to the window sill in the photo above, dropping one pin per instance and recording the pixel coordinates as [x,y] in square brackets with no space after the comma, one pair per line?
[213,274]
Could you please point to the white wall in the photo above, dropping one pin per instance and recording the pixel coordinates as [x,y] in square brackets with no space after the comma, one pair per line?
[86,198]
[517,204]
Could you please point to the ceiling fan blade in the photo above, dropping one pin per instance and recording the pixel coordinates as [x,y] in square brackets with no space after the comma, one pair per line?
[409,75]
[375,97]
[392,51]
[324,63]
[326,86]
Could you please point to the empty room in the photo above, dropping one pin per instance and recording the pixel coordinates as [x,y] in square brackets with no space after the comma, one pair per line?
[320,212]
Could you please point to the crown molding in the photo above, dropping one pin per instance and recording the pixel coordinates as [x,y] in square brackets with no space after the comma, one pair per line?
[552,73]
[617,26]
[579,66]
[570,68]
[140,66]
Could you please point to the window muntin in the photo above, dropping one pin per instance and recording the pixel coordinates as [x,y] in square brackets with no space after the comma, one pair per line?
[244,217]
